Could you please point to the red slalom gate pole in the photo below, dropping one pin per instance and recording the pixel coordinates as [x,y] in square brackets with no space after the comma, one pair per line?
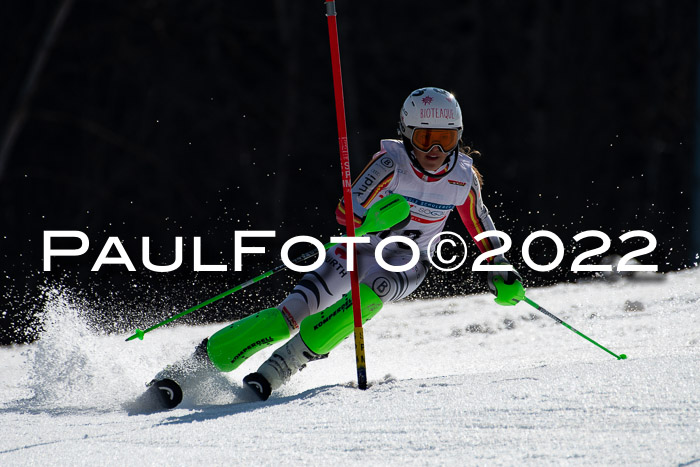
[347,190]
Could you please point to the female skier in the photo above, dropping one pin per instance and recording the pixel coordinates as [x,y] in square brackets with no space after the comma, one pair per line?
[427,167]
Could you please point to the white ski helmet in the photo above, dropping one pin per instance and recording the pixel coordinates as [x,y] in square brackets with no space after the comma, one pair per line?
[430,109]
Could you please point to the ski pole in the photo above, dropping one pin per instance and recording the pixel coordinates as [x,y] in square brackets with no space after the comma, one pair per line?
[382,215]
[347,186]
[539,308]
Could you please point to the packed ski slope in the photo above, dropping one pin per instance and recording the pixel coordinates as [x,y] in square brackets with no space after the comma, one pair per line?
[458,381]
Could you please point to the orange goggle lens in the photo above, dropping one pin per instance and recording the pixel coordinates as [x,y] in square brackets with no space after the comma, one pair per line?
[426,138]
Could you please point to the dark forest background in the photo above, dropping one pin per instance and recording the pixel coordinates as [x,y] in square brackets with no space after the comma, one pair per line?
[198,118]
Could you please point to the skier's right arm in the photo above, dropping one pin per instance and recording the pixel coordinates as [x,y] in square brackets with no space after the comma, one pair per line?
[375,178]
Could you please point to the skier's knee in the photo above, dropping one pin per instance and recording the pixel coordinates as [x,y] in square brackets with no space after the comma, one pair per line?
[393,286]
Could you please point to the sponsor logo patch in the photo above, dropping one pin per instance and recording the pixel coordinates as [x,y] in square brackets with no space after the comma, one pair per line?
[381,286]
[341,253]
[265,341]
[290,318]
[347,303]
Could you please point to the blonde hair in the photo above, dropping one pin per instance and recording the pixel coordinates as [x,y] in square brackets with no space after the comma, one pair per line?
[466,150]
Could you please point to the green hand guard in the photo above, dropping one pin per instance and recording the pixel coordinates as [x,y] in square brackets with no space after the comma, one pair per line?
[232,345]
[324,330]
[508,294]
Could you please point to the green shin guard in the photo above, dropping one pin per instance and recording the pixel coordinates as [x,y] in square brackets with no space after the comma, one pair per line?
[324,330]
[231,346]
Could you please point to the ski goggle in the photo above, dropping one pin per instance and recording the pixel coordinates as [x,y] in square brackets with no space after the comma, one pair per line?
[425,138]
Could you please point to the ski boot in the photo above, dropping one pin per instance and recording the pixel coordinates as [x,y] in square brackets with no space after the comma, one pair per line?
[279,368]
[167,384]
[318,335]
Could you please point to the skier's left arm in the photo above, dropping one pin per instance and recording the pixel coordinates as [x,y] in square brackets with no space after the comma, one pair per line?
[506,285]
[367,188]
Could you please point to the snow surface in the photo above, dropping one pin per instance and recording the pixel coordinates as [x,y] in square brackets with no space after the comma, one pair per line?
[457,381]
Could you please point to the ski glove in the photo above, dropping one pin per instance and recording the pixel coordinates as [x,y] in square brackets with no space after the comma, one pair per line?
[507,286]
